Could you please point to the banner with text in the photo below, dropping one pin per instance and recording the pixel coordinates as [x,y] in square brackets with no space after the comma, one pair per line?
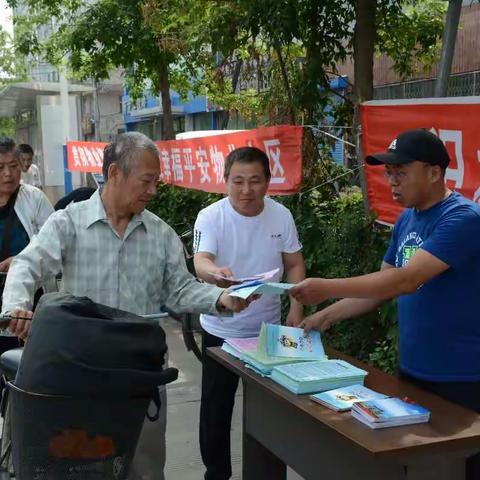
[454,120]
[198,163]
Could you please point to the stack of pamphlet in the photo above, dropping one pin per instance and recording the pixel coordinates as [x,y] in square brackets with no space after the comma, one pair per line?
[238,346]
[279,345]
[259,284]
[342,399]
[389,412]
[317,376]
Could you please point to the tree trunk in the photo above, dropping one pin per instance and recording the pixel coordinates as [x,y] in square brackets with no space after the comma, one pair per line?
[448,47]
[169,133]
[363,51]
[286,83]
[235,78]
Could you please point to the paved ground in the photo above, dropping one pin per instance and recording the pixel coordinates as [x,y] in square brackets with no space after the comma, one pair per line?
[183,453]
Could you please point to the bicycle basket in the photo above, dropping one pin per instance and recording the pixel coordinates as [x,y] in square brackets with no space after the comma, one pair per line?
[74,438]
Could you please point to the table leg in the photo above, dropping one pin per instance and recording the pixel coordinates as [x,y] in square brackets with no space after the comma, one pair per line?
[258,463]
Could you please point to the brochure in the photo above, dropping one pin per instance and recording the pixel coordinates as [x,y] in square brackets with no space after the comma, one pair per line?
[261,276]
[260,358]
[389,412]
[258,287]
[342,399]
[238,346]
[317,376]
[292,342]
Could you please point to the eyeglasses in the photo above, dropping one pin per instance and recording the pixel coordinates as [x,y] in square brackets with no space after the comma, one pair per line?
[396,176]
[399,176]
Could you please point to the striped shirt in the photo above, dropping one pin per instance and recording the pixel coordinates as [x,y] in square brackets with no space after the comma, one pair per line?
[139,273]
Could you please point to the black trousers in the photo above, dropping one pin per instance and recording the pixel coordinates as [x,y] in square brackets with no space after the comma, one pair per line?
[466,394]
[219,386]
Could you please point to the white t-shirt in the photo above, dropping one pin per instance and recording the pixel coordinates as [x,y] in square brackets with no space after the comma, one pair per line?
[32,176]
[248,246]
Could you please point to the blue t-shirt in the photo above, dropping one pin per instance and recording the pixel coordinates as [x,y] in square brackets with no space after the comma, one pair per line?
[439,324]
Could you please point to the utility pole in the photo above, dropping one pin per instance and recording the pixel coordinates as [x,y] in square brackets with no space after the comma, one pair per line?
[64,101]
[448,46]
[96,111]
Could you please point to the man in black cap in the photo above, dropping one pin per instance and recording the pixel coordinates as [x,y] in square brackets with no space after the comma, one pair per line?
[432,266]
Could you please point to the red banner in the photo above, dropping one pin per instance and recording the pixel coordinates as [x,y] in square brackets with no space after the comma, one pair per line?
[198,163]
[454,120]
[85,156]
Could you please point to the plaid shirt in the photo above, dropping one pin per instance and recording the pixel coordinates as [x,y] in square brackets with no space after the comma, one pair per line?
[139,273]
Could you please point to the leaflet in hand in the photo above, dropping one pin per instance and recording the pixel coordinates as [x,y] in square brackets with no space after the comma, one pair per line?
[293,342]
[257,287]
[264,277]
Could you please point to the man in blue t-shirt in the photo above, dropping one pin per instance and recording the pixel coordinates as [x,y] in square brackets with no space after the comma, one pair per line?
[432,266]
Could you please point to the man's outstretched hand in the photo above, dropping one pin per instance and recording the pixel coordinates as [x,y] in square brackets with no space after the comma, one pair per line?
[235,304]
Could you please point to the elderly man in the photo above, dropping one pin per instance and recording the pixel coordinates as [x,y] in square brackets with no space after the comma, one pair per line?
[432,266]
[112,250]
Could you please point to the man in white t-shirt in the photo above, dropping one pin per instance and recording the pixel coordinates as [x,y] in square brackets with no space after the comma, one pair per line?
[241,235]
[30,172]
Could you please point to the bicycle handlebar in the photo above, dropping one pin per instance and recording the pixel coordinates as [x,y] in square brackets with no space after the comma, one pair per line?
[5,318]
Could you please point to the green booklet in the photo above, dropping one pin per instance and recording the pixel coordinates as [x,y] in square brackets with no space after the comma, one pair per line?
[260,360]
[317,376]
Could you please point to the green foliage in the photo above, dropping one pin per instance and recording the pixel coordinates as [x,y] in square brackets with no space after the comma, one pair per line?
[179,207]
[340,239]
[410,34]
[7,127]
[294,45]
[12,67]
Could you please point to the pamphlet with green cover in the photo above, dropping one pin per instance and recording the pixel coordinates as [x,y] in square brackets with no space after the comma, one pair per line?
[261,360]
[317,376]
[293,342]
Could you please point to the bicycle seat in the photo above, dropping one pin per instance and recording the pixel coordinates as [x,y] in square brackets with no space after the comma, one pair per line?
[10,361]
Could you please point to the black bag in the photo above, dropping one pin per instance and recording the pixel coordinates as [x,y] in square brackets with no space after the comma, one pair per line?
[80,348]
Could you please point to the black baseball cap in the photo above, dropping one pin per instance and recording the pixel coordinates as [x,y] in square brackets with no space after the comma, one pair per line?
[419,144]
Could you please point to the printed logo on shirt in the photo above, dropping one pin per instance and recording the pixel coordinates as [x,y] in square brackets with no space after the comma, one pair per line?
[276,235]
[197,235]
[407,248]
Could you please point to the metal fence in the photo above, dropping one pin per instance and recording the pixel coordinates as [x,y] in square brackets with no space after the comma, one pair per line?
[461,85]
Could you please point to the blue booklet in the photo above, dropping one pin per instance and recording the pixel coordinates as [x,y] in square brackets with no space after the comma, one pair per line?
[293,342]
[389,412]
[342,399]
[262,361]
